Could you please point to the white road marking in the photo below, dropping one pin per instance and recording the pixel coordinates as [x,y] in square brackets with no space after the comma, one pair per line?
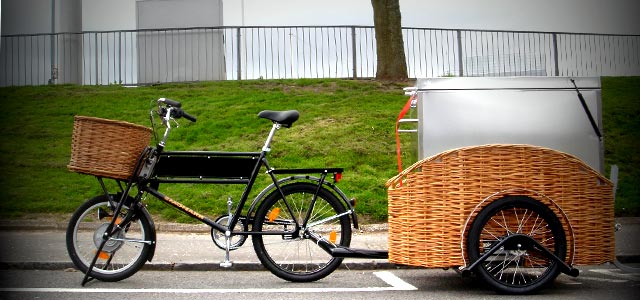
[394,281]
[396,284]
[604,279]
[618,273]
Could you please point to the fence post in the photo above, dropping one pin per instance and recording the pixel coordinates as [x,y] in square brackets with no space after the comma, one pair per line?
[460,64]
[52,50]
[95,42]
[239,50]
[555,54]
[353,50]
[120,57]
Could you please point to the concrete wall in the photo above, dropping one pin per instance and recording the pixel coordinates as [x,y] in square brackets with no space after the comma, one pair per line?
[101,15]
[45,54]
[180,54]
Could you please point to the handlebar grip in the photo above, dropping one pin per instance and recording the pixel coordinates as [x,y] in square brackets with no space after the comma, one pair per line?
[178,113]
[188,116]
[170,102]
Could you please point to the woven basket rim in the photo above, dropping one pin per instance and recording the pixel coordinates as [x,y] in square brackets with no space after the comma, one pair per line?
[110,121]
[394,181]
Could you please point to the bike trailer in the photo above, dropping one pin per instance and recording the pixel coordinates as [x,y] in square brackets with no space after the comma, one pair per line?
[433,203]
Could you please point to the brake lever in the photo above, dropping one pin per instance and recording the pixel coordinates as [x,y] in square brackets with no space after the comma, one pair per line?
[176,122]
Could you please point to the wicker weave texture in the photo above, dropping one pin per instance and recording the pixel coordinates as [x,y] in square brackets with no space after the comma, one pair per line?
[433,202]
[106,148]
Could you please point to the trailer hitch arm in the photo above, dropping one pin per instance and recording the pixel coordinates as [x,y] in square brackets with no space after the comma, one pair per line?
[524,242]
[344,252]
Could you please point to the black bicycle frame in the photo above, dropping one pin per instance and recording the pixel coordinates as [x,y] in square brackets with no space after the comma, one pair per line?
[205,167]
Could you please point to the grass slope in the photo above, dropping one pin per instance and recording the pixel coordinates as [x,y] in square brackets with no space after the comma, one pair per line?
[343,123]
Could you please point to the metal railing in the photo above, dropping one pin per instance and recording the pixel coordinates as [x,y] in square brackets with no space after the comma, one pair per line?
[229,53]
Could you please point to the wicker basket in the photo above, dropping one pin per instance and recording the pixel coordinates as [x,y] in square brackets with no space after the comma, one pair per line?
[106,148]
[433,202]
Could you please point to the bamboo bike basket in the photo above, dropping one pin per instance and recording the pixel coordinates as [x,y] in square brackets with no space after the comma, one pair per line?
[106,148]
[432,203]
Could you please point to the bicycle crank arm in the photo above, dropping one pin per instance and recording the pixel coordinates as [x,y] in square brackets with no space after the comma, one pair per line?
[342,252]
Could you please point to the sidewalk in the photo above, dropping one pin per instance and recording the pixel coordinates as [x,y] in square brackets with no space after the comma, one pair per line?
[31,245]
[28,245]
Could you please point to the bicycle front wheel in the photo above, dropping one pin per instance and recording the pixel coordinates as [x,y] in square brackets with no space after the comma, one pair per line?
[122,255]
[284,247]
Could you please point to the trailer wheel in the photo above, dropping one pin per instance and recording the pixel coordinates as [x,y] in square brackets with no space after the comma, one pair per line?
[516,269]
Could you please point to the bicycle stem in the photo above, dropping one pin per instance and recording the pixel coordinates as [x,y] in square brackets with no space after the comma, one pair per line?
[166,120]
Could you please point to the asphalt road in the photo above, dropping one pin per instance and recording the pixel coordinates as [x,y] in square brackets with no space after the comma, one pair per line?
[596,282]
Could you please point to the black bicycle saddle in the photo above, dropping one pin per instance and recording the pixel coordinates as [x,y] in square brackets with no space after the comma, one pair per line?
[284,118]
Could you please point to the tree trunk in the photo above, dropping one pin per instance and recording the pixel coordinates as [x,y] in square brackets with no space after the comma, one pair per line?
[389,45]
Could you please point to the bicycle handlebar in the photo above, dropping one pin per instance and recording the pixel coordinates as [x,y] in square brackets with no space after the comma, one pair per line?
[181,113]
[176,111]
[170,102]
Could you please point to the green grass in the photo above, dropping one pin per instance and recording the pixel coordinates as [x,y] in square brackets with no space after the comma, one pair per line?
[343,123]
[621,118]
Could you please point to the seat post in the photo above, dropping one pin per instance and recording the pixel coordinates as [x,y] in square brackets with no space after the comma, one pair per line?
[267,143]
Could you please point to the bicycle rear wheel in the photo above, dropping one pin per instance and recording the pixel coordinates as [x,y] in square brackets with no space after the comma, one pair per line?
[122,255]
[293,255]
[523,269]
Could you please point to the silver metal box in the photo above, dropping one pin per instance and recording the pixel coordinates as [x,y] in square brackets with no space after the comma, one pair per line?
[542,111]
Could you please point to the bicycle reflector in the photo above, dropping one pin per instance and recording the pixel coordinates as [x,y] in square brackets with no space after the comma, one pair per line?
[103,255]
[337,177]
[274,214]
[333,236]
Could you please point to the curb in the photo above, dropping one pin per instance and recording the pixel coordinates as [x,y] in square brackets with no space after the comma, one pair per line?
[241,266]
[624,262]
[245,266]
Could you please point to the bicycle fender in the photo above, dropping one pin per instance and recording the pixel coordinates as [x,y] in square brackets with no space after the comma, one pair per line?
[332,187]
[143,209]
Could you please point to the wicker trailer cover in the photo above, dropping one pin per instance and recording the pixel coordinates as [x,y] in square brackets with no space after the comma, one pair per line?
[433,202]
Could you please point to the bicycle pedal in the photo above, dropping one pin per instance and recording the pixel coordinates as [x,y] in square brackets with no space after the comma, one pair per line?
[226,264]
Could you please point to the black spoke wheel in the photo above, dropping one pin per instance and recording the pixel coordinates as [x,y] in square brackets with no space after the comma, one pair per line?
[291,254]
[516,268]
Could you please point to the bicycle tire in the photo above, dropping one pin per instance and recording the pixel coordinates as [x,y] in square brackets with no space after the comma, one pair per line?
[298,258]
[516,271]
[118,259]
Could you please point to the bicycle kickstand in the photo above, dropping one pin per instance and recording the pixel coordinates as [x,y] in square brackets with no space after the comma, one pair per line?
[227,238]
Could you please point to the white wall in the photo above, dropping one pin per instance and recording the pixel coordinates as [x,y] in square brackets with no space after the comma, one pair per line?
[39,59]
[583,16]
[98,15]
[26,16]
[592,16]
[180,55]
[178,14]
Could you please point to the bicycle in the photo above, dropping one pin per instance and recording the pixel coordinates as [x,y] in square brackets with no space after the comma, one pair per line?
[300,224]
